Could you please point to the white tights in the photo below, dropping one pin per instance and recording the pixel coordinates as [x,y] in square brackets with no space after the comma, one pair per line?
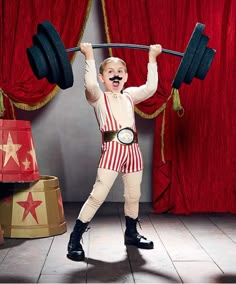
[104,181]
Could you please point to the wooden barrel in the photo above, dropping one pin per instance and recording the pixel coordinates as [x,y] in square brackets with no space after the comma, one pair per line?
[18,161]
[33,210]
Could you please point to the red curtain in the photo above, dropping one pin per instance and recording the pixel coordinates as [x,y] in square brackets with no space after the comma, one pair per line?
[194,156]
[19,19]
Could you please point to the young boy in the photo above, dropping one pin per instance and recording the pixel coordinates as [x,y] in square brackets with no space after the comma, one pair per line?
[114,111]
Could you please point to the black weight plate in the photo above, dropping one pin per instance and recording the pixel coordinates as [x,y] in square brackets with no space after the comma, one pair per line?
[196,60]
[66,78]
[205,63]
[188,56]
[37,62]
[53,72]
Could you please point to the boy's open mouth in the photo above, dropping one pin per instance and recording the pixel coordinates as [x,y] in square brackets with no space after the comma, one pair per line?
[115,83]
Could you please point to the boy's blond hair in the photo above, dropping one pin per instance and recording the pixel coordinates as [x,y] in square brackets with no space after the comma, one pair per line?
[109,60]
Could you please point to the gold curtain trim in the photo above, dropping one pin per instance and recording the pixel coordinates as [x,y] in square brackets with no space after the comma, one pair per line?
[154,114]
[2,109]
[40,104]
[85,21]
[106,26]
[162,137]
[150,116]
[56,89]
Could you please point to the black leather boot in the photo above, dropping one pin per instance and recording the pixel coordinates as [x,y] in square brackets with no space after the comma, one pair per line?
[132,237]
[75,249]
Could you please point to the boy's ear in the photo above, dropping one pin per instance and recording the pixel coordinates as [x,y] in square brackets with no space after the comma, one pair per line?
[100,78]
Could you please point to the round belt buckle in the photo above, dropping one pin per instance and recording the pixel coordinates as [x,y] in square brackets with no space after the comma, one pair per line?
[126,136]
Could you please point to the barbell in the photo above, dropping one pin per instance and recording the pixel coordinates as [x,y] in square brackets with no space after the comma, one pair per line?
[48,57]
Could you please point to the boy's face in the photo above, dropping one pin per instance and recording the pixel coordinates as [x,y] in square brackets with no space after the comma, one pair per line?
[114,77]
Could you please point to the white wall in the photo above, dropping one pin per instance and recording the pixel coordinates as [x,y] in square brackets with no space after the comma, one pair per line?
[66,136]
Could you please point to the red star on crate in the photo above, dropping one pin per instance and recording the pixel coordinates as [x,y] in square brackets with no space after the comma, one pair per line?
[30,205]
[10,148]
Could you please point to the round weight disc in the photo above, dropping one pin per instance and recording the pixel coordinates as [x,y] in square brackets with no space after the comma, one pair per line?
[66,78]
[196,60]
[205,63]
[37,62]
[188,56]
[42,42]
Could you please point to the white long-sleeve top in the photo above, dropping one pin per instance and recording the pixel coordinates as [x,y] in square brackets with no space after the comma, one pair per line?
[121,104]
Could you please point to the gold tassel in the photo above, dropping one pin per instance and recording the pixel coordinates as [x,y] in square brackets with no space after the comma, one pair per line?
[176,99]
[2,109]
[176,102]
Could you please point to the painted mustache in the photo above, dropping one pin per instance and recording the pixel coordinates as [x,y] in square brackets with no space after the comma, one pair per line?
[116,78]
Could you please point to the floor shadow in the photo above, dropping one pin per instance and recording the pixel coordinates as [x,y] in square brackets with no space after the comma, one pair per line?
[16,279]
[121,271]
[226,278]
[10,243]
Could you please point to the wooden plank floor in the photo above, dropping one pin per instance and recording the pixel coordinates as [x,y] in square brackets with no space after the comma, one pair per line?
[199,248]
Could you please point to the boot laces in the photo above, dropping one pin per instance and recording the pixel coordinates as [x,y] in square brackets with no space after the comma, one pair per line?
[86,230]
[74,239]
[139,221]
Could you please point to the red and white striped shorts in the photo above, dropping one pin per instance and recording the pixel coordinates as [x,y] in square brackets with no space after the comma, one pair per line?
[119,157]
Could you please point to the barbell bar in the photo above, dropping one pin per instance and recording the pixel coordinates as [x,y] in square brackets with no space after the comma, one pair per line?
[49,59]
[125,45]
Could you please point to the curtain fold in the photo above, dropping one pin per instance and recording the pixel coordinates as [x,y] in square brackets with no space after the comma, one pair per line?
[19,20]
[194,154]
